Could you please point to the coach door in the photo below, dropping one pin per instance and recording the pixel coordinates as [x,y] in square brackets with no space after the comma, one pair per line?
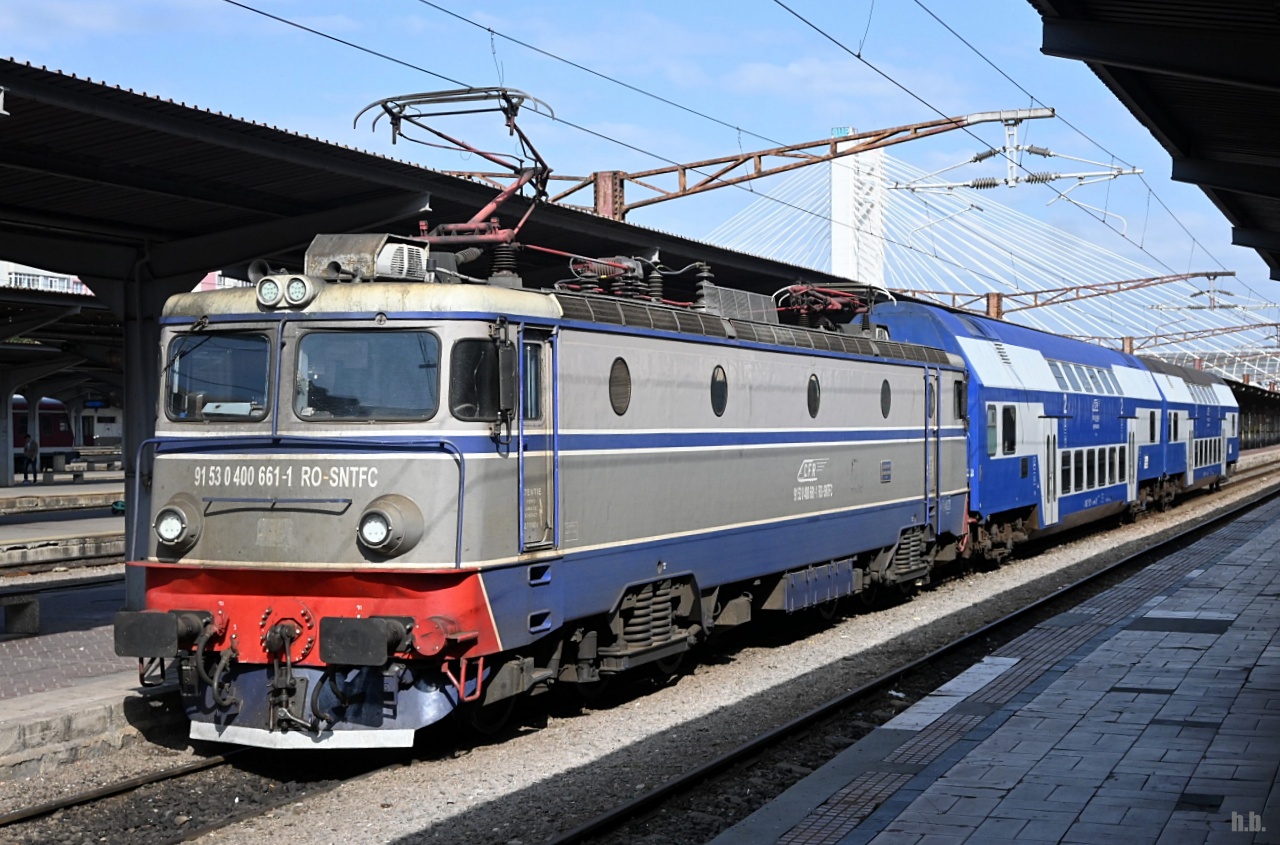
[1049,474]
[932,446]
[1129,468]
[537,441]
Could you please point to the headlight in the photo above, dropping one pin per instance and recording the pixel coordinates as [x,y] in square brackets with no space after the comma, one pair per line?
[299,290]
[390,525]
[177,524]
[269,292]
[170,525]
[374,529]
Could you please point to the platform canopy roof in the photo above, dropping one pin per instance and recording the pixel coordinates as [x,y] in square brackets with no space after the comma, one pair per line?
[119,187]
[1201,75]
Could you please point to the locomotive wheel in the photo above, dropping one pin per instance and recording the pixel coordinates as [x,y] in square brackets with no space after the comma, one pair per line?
[828,610]
[488,720]
[667,670]
[593,692]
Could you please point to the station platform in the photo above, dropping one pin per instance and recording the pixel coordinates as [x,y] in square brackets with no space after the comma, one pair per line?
[1148,714]
[65,695]
[62,492]
[48,524]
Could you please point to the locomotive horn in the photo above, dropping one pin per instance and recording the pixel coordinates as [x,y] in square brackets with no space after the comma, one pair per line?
[257,269]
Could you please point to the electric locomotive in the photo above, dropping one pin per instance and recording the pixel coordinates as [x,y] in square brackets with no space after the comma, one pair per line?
[381,492]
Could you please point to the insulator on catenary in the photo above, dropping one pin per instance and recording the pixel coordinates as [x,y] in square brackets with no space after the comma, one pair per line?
[984,156]
[1041,178]
[984,183]
[1040,151]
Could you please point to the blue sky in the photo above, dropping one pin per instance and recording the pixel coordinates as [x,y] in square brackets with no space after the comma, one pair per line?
[748,64]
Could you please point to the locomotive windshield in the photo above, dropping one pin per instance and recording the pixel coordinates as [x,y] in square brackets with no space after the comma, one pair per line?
[378,375]
[217,375]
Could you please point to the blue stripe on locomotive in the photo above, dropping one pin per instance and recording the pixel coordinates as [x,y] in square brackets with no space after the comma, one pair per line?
[592,581]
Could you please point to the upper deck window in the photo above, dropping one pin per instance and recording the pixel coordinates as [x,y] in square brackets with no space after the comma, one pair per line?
[1097,382]
[367,375]
[1057,374]
[217,376]
[1071,376]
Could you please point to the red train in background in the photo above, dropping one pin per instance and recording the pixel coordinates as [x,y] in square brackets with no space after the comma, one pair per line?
[56,436]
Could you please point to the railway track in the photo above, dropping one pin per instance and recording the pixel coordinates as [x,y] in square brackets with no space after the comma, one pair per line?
[159,808]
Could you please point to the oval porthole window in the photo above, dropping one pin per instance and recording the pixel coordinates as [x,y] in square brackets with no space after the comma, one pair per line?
[719,390]
[620,386]
[886,399]
[815,396]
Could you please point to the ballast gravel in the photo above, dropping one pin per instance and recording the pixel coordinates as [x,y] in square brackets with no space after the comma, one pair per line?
[562,765]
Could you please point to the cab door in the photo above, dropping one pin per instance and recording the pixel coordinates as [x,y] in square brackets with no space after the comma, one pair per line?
[539,503]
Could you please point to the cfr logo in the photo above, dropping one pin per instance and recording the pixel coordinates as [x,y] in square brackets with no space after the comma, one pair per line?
[810,468]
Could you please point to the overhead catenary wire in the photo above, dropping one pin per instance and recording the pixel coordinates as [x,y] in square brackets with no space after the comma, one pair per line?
[909,92]
[811,242]
[1066,122]
[556,119]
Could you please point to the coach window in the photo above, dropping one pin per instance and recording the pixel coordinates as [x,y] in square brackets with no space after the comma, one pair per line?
[886,399]
[1090,469]
[1111,465]
[1079,470]
[1097,382]
[719,390]
[1071,377]
[1151,438]
[1102,467]
[1057,374]
[1123,475]
[992,435]
[814,396]
[1066,473]
[1175,416]
[961,400]
[1084,378]
[619,386]
[1009,430]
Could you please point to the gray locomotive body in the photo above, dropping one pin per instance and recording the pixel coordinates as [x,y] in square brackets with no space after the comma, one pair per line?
[380,501]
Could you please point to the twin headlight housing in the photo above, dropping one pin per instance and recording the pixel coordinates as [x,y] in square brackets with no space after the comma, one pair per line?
[286,290]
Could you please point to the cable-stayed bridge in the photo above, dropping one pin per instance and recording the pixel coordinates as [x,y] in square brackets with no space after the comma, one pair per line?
[847,217]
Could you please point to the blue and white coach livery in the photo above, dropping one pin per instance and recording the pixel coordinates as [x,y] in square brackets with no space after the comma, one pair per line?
[1066,432]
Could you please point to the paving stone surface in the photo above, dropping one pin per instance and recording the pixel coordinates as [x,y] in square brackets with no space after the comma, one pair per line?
[1150,715]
